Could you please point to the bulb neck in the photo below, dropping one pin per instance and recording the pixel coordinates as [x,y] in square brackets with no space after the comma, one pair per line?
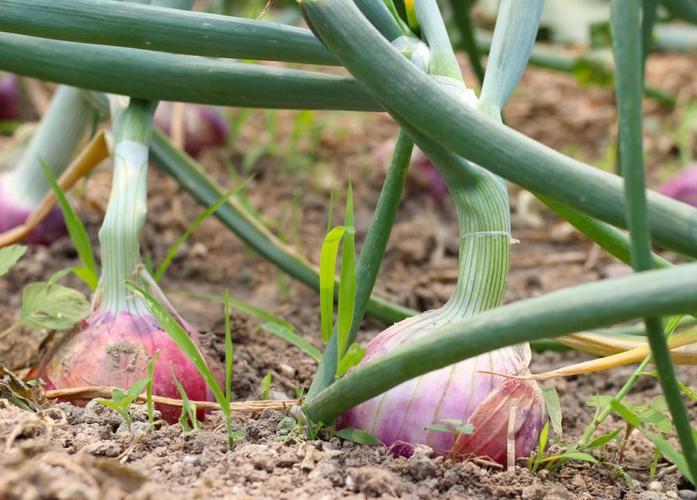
[485,241]
[54,143]
[127,209]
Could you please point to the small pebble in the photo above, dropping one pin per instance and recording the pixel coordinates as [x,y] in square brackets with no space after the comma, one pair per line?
[687,494]
[655,486]
[286,370]
[189,460]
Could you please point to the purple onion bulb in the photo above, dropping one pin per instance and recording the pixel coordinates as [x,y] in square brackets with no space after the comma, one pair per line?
[203,126]
[400,417]
[682,186]
[14,212]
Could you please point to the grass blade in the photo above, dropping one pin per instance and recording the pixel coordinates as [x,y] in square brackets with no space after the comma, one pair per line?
[347,285]
[76,230]
[172,252]
[327,278]
[290,336]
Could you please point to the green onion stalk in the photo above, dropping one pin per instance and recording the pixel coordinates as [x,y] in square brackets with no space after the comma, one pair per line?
[436,409]
[114,345]
[52,146]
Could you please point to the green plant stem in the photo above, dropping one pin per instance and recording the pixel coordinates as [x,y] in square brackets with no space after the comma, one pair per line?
[461,14]
[384,21]
[625,21]
[443,62]
[503,151]
[192,179]
[684,9]
[125,214]
[608,237]
[60,131]
[583,307]
[159,75]
[370,257]
[108,22]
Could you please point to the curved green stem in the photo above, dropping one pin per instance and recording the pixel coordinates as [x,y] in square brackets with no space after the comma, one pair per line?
[192,179]
[126,24]
[370,258]
[461,14]
[162,76]
[483,141]
[583,307]
[626,30]
[125,214]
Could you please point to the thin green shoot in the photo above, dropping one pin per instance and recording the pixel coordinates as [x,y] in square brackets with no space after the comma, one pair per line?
[535,460]
[354,355]
[347,285]
[637,421]
[121,401]
[88,273]
[553,405]
[239,305]
[229,348]
[289,335]
[150,407]
[266,386]
[357,436]
[190,349]
[188,419]
[172,251]
[327,279]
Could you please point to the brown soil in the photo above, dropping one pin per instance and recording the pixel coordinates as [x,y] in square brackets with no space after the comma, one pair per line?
[71,452]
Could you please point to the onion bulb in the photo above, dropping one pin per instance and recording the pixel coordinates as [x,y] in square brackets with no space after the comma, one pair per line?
[10,96]
[114,349]
[203,126]
[402,417]
[14,212]
[683,186]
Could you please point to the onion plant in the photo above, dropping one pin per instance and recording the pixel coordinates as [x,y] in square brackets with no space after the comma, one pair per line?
[53,144]
[422,380]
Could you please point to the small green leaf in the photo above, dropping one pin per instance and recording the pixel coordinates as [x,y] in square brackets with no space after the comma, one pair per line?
[579,456]
[229,348]
[603,439]
[357,436]
[266,386]
[60,274]
[52,306]
[439,428]
[290,336]
[629,416]
[541,445]
[551,399]
[347,284]
[9,257]
[148,389]
[188,409]
[137,389]
[327,278]
[599,400]
[76,230]
[353,356]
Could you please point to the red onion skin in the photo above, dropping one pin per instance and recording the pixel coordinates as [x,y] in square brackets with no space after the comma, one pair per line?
[490,423]
[204,127]
[13,214]
[10,96]
[683,186]
[115,349]
[400,417]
